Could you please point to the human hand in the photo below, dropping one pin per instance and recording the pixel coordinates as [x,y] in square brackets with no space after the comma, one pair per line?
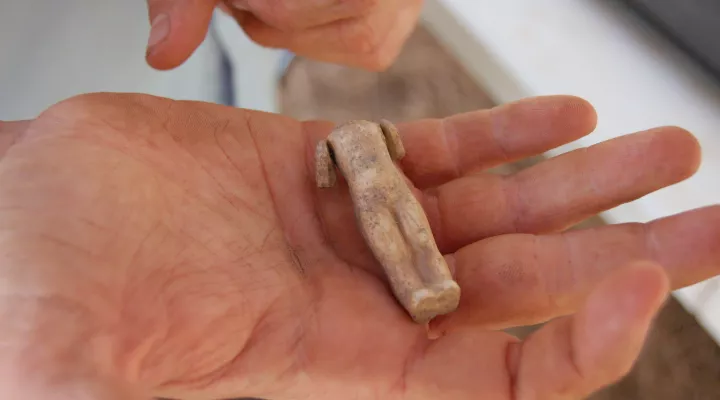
[361,33]
[181,250]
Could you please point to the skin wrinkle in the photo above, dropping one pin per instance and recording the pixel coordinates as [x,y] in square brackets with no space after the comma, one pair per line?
[126,297]
[223,192]
[106,181]
[281,13]
[309,162]
[230,160]
[124,300]
[388,53]
[297,262]
[240,253]
[650,244]
[196,343]
[541,278]
[357,35]
[266,239]
[239,171]
[253,136]
[299,364]
[62,241]
[194,383]
[517,206]
[149,168]
[192,238]
[416,354]
[569,270]
[204,245]
[15,131]
[514,356]
[431,203]
[450,140]
[590,178]
[372,44]
[496,116]
[573,346]
[289,246]
[134,109]
[215,375]
[319,216]
[307,323]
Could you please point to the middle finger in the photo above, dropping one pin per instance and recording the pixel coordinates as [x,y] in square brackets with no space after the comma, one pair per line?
[562,191]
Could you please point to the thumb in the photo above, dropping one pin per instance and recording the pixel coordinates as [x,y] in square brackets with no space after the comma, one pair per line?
[574,356]
[178,27]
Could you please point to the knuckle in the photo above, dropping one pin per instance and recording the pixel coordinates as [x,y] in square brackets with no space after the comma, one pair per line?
[362,38]
[358,6]
[277,13]
[380,61]
[373,41]
[259,34]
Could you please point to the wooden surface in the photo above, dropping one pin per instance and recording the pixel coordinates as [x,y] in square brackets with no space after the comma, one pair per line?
[680,361]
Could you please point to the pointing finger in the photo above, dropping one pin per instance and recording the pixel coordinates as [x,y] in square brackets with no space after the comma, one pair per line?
[441,150]
[560,192]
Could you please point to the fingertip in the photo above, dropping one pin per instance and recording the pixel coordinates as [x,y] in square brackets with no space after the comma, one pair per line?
[176,31]
[683,150]
[578,108]
[636,291]
[647,279]
[580,114]
[612,328]
[542,123]
[577,355]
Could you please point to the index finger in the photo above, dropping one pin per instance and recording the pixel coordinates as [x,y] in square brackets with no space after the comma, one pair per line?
[439,150]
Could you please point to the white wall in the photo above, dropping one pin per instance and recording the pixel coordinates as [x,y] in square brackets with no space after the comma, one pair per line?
[51,50]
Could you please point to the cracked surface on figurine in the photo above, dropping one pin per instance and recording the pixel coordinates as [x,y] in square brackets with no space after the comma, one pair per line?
[392,221]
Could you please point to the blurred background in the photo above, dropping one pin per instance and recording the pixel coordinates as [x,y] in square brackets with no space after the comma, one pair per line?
[642,63]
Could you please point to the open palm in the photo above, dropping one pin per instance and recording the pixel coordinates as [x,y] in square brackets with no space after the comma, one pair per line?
[182,250]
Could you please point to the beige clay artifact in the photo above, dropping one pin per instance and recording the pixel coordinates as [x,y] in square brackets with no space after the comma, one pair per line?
[391,220]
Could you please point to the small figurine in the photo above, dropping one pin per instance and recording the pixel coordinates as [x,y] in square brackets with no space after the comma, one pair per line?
[391,219]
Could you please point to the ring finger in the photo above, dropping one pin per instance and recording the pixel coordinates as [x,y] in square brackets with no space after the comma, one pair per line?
[557,193]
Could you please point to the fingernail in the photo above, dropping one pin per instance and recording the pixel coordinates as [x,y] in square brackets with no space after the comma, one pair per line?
[159,30]
[241,4]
